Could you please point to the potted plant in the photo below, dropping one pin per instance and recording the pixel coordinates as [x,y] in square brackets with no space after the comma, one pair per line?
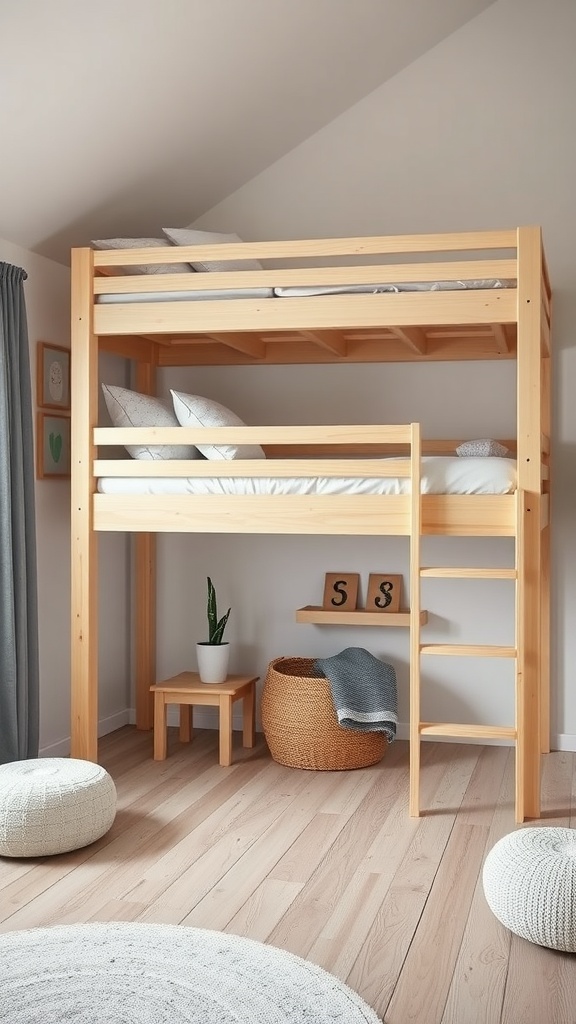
[213,653]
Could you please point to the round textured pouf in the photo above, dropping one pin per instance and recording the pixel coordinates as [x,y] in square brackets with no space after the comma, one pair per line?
[164,974]
[53,804]
[529,882]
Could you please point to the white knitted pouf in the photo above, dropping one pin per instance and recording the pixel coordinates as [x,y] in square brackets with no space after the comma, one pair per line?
[53,804]
[529,882]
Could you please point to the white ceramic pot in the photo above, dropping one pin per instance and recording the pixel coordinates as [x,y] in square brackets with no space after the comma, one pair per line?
[212,661]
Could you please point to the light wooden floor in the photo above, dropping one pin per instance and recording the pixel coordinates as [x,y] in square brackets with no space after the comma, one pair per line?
[327,865]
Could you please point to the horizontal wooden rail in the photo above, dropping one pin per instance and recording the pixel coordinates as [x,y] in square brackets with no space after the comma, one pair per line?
[472,732]
[394,434]
[252,468]
[469,650]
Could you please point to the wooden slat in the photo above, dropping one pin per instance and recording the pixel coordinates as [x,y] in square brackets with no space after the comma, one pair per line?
[478,732]
[371,274]
[331,340]
[358,617]
[414,337]
[245,343]
[162,468]
[309,314]
[470,650]
[469,573]
[333,434]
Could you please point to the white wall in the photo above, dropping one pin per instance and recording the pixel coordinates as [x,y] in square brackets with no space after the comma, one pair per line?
[47,293]
[479,133]
[476,134]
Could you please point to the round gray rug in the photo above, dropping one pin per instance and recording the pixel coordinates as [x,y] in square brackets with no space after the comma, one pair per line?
[125,973]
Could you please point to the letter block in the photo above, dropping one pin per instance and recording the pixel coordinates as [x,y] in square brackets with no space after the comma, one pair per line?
[384,592]
[341,591]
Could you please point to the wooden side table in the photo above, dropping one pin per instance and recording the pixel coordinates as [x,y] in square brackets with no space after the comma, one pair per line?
[186,689]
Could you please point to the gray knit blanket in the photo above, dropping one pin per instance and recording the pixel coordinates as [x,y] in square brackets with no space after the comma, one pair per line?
[363,690]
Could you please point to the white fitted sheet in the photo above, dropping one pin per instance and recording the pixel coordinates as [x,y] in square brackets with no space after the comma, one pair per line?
[440,475]
[299,292]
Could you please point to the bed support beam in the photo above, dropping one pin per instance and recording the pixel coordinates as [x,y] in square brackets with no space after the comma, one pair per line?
[241,342]
[84,539]
[145,595]
[413,337]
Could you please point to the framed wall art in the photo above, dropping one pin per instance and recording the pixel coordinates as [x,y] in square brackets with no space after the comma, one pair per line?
[53,376]
[52,446]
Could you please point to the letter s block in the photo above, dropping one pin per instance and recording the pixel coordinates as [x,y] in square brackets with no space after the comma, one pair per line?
[341,591]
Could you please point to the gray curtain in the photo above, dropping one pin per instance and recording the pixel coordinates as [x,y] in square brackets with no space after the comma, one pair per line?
[19,670]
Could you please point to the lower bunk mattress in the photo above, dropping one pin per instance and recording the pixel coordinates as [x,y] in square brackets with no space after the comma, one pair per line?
[440,475]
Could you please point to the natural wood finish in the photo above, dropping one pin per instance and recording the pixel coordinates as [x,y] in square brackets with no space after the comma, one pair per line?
[187,690]
[326,865]
[341,591]
[380,587]
[145,595]
[358,617]
[512,322]
[84,538]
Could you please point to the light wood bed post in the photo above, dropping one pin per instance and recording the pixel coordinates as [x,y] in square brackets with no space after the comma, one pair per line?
[145,594]
[529,532]
[545,566]
[84,592]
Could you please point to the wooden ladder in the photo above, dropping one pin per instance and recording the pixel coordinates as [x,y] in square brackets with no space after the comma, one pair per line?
[458,731]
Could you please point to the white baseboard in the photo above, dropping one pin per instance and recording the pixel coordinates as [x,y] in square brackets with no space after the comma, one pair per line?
[62,747]
[207,718]
[563,741]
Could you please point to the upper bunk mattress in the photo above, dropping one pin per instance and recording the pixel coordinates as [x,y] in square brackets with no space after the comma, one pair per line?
[440,475]
[300,292]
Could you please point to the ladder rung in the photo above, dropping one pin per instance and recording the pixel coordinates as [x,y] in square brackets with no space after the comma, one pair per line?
[469,650]
[469,573]
[472,732]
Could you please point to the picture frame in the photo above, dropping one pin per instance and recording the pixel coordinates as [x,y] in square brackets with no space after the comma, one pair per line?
[52,446]
[53,376]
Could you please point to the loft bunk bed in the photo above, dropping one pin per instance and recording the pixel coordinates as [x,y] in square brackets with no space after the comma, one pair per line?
[460,296]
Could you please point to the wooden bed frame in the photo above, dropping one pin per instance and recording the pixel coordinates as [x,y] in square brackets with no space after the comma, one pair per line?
[500,324]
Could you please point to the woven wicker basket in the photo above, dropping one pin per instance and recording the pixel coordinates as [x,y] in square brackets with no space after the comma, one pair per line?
[300,723]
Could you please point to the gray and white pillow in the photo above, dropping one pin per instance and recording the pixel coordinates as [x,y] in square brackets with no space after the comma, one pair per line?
[143,243]
[189,236]
[196,411]
[482,447]
[132,409]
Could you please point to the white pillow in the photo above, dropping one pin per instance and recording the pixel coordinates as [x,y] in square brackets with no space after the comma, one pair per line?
[131,409]
[143,243]
[483,447]
[188,236]
[195,411]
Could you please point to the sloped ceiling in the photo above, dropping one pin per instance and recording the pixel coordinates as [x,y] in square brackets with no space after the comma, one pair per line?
[119,117]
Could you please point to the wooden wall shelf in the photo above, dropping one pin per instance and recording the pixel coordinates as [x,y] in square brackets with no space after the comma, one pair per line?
[359,617]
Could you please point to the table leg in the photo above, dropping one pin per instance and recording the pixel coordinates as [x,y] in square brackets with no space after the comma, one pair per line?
[186,722]
[159,727]
[225,729]
[249,716]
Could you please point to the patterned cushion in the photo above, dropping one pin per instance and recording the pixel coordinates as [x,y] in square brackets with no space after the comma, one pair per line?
[483,447]
[529,882]
[195,411]
[132,409]
[53,804]
[188,236]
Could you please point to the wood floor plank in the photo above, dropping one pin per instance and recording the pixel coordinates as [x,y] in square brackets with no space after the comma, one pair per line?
[326,864]
[381,958]
[476,992]
[424,982]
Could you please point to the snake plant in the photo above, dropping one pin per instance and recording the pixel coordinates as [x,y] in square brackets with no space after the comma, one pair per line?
[216,626]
